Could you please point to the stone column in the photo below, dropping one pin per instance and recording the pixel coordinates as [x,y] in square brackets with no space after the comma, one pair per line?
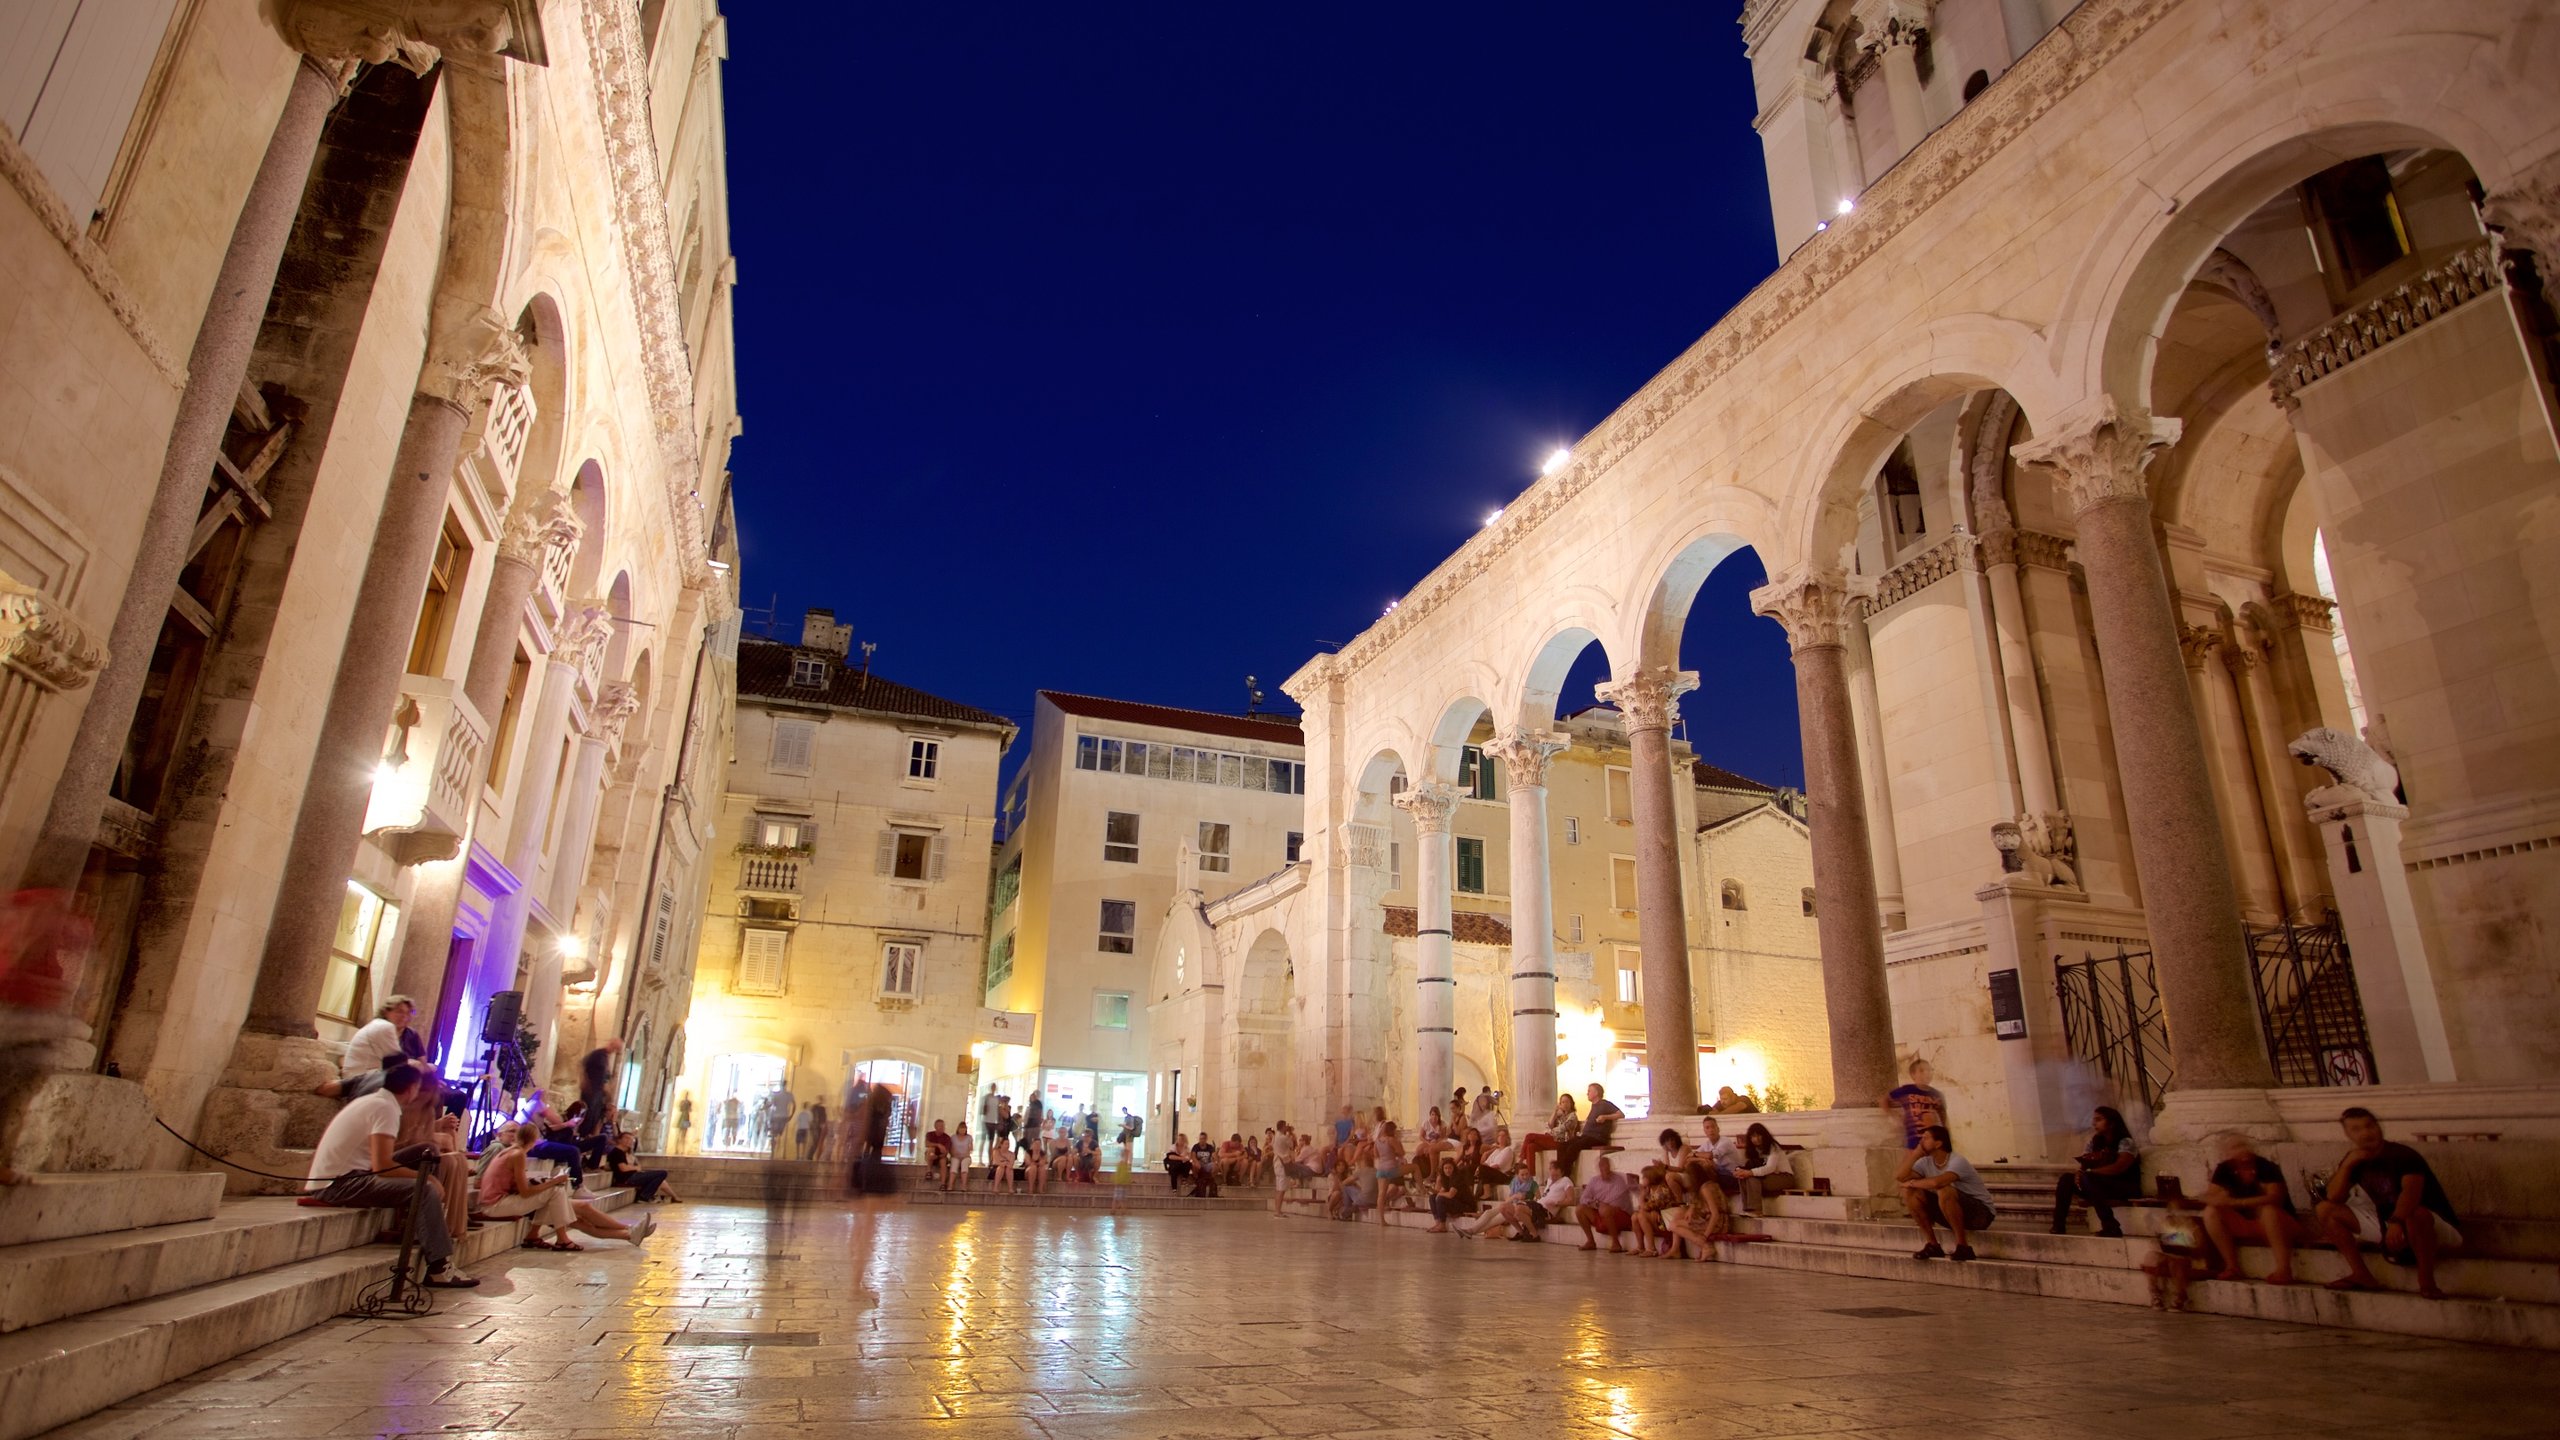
[1435,979]
[1812,608]
[2188,899]
[367,687]
[1902,91]
[2296,870]
[539,524]
[1649,700]
[613,709]
[215,368]
[1847,163]
[1524,754]
[2404,1022]
[1873,778]
[2036,790]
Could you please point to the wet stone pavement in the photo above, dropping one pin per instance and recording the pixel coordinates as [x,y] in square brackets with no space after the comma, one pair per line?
[829,1322]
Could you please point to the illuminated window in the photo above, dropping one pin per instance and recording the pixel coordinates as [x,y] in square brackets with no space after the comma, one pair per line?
[366,925]
[899,961]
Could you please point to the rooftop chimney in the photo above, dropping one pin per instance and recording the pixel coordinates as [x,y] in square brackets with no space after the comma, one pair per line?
[819,631]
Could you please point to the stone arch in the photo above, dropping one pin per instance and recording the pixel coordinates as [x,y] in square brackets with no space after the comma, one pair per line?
[1540,694]
[1673,592]
[1943,361]
[1263,1004]
[1457,719]
[2385,92]
[588,501]
[546,337]
[464,318]
[617,603]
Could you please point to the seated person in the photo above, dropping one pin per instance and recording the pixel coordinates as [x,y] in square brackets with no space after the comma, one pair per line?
[1177,1162]
[939,1155]
[426,1124]
[1552,1202]
[355,1169]
[1694,1226]
[1433,1142]
[647,1186]
[1938,1185]
[559,1139]
[2385,1194]
[1656,1198]
[1720,1177]
[1231,1160]
[1607,1204]
[1453,1195]
[1728,1103]
[377,1045]
[1562,1125]
[1204,1167]
[2110,1175]
[1499,1158]
[506,1191]
[1766,1167]
[1509,1218]
[2245,1199]
[1599,1125]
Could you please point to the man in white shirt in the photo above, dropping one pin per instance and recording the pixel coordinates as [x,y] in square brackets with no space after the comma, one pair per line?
[377,1041]
[356,1170]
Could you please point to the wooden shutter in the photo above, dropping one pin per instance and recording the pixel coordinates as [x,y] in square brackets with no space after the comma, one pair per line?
[760,962]
[791,744]
[885,860]
[933,871]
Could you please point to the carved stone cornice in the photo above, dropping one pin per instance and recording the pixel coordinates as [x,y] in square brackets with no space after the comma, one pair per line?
[1999,547]
[414,34]
[1920,572]
[2196,644]
[1809,607]
[648,255]
[2463,277]
[1648,699]
[1524,754]
[2305,612]
[41,641]
[2051,552]
[2100,461]
[1430,804]
[71,232]
[542,523]
[2096,31]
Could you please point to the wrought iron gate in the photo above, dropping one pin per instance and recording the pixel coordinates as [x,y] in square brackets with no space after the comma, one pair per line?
[2111,1018]
[2308,1004]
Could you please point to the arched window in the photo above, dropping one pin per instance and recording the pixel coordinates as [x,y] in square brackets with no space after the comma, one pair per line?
[1733,896]
[1975,84]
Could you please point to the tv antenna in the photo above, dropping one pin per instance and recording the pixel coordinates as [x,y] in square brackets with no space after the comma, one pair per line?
[867,647]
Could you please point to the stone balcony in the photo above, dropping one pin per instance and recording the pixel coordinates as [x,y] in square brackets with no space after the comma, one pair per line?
[769,874]
[431,763]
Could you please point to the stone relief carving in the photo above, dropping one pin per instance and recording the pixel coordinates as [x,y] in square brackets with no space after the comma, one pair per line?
[2525,221]
[1809,607]
[1364,845]
[640,205]
[468,358]
[2309,612]
[1988,471]
[614,707]
[1430,804]
[2357,772]
[41,641]
[413,34]
[586,631]
[1648,699]
[2465,276]
[543,523]
[1922,571]
[2101,460]
[2229,273]
[1524,754]
[2040,847]
[2196,644]
[2096,31]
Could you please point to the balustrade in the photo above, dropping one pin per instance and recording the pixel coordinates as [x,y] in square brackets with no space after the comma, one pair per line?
[431,765]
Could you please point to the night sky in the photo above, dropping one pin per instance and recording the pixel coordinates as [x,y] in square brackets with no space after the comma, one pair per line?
[1134,349]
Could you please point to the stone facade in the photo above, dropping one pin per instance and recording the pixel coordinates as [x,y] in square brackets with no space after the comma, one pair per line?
[366,528]
[847,921]
[2146,335]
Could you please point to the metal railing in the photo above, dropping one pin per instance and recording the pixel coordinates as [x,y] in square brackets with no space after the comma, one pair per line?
[2111,1018]
[2309,1006]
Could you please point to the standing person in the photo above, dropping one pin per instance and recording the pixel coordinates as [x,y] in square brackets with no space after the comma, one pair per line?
[595,1087]
[2384,1194]
[1343,1125]
[1034,1133]
[875,1141]
[1938,1185]
[989,1105]
[1918,1103]
[818,1128]
[2110,1174]
[726,1126]
[800,1123]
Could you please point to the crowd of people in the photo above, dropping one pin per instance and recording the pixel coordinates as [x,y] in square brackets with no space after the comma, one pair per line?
[397,1143]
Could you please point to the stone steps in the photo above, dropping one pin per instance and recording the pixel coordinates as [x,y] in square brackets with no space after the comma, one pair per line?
[1132,1199]
[1825,1239]
[260,1270]
[59,1207]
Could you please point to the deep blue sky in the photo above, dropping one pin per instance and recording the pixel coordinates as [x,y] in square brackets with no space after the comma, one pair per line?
[1132,349]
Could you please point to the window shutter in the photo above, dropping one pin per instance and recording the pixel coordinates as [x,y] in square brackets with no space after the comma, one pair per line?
[791,744]
[808,832]
[886,861]
[934,871]
[760,962]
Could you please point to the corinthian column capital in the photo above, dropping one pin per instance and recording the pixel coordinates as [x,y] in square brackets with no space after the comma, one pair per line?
[1524,754]
[411,33]
[40,640]
[2525,217]
[2100,460]
[541,523]
[1811,607]
[466,357]
[1649,699]
[1430,804]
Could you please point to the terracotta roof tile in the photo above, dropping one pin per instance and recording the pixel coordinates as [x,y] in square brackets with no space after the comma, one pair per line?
[1271,729]
[764,673]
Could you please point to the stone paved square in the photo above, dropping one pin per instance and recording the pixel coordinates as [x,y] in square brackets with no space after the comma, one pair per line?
[1020,1323]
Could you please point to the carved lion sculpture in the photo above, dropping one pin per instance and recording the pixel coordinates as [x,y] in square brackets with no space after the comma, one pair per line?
[2357,771]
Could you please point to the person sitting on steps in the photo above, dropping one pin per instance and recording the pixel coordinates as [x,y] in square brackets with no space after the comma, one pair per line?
[2245,1199]
[375,1047]
[355,1169]
[506,1192]
[2384,1194]
[2110,1174]
[1940,1186]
